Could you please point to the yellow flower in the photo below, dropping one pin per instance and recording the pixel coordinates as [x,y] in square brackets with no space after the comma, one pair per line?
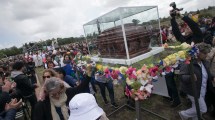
[166,61]
[123,69]
[185,45]
[99,66]
[173,60]
[182,54]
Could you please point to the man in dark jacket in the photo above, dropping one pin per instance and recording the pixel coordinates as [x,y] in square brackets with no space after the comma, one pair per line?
[193,33]
[203,80]
[23,84]
[30,67]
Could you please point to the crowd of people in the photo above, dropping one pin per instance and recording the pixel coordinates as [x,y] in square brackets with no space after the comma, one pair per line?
[66,93]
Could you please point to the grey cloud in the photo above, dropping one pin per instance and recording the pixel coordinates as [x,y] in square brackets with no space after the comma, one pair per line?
[32,20]
[28,9]
[115,3]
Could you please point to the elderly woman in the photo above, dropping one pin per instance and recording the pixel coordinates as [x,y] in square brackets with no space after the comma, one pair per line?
[57,98]
[203,80]
[48,73]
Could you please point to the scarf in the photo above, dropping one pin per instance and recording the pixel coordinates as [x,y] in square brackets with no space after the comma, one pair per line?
[59,103]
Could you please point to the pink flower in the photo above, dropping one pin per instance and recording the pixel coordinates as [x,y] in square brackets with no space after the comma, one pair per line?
[107,73]
[131,72]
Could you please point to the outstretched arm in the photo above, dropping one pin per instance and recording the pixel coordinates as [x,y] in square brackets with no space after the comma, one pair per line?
[197,33]
[176,32]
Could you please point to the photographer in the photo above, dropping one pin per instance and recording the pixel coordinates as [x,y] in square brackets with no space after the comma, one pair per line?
[192,33]
[23,84]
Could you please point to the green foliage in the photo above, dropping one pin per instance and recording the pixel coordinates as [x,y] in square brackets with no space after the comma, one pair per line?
[10,51]
[136,85]
[136,21]
[205,15]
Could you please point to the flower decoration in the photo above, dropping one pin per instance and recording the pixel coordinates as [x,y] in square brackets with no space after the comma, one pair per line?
[123,69]
[193,52]
[99,66]
[131,73]
[107,73]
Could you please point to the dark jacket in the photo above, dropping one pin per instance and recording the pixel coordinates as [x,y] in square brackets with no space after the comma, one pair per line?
[23,84]
[9,115]
[4,98]
[196,36]
[42,109]
[185,76]
[70,80]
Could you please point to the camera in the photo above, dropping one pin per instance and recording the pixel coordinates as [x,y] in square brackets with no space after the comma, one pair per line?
[173,5]
[173,11]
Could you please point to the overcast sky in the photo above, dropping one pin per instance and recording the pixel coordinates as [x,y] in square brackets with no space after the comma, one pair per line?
[31,20]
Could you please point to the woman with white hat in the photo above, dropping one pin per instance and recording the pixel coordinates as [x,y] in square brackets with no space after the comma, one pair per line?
[83,106]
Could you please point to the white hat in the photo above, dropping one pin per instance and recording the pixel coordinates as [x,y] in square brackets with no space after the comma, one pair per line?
[84,107]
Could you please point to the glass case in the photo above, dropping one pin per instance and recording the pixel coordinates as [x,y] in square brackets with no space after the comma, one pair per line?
[124,33]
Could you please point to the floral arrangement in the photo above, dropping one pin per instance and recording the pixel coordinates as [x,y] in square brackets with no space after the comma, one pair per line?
[139,82]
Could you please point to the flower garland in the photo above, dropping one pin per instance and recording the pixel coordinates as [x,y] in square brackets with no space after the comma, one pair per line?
[139,82]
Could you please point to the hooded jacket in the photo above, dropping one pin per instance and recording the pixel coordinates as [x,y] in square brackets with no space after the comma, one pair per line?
[23,84]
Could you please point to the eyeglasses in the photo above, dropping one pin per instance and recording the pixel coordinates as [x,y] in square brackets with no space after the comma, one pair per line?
[46,77]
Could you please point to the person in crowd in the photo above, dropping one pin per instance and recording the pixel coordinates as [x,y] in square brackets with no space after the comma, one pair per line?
[30,67]
[51,65]
[202,78]
[48,73]
[9,112]
[58,59]
[54,106]
[23,84]
[44,59]
[37,59]
[4,94]
[68,65]
[48,59]
[83,106]
[103,83]
[164,34]
[172,90]
[212,27]
[67,78]
[210,98]
[192,32]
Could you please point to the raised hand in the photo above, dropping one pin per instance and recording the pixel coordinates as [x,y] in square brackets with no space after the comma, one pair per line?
[14,104]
